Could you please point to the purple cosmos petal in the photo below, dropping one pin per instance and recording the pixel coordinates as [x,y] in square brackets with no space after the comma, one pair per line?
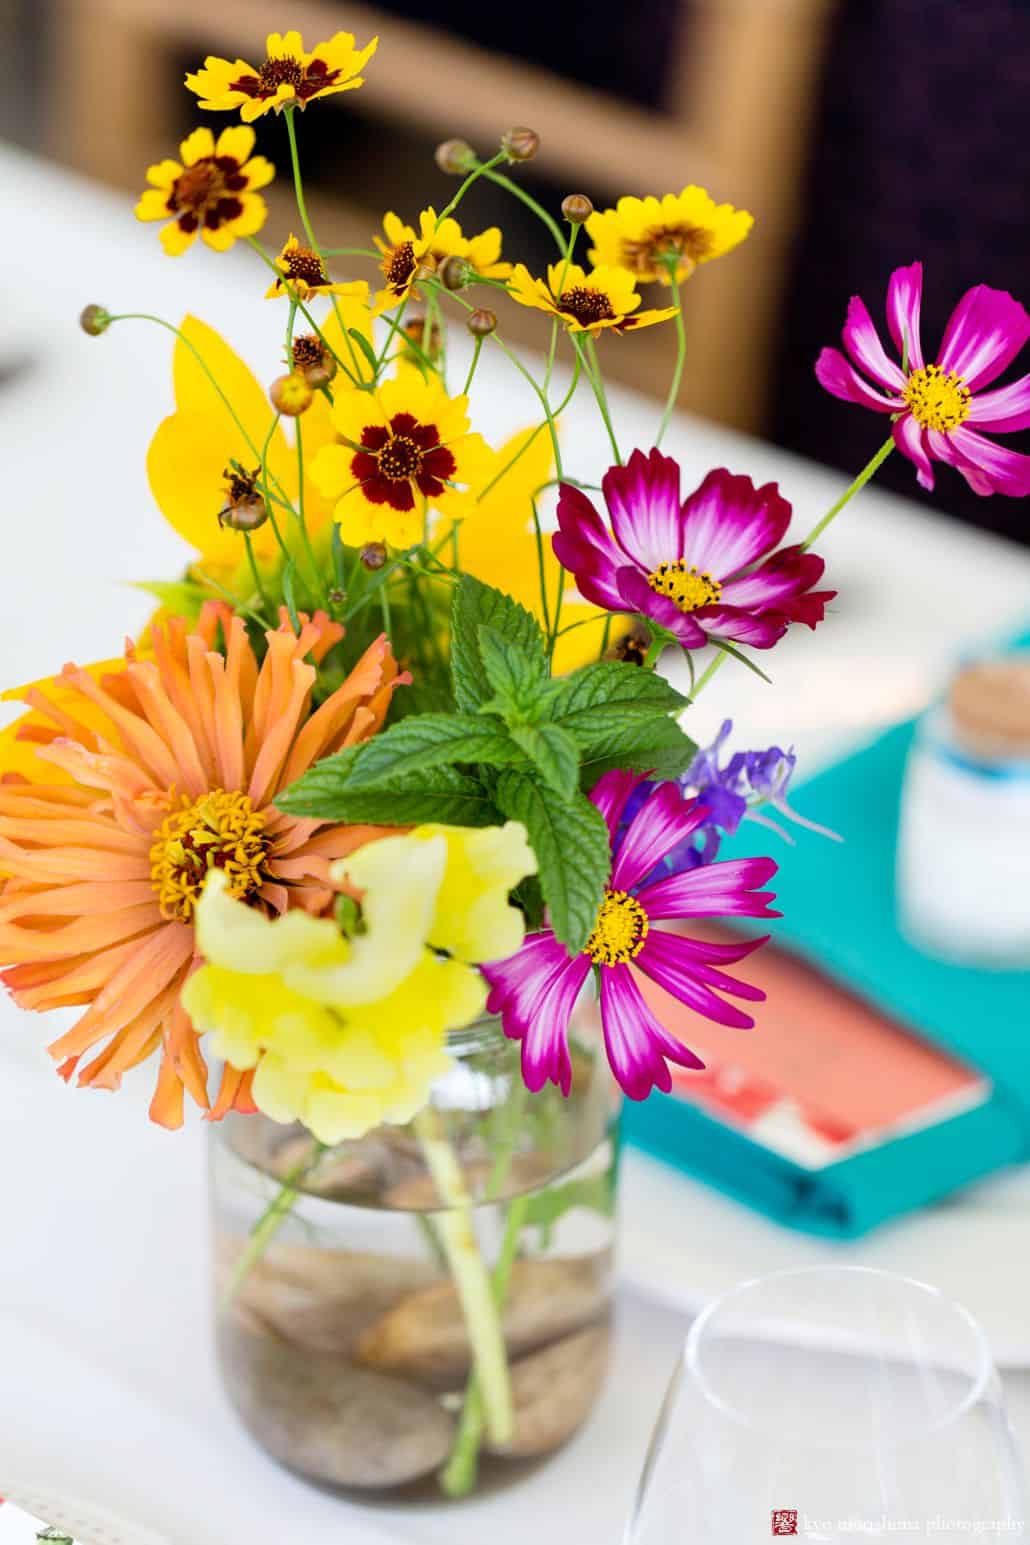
[836,375]
[725,889]
[643,500]
[680,974]
[778,579]
[705,952]
[862,342]
[1005,409]
[904,296]
[986,467]
[591,568]
[535,992]
[911,442]
[611,794]
[743,627]
[986,331]
[728,523]
[664,820]
[637,1044]
[638,596]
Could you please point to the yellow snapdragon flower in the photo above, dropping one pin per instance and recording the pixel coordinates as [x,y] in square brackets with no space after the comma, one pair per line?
[345,1034]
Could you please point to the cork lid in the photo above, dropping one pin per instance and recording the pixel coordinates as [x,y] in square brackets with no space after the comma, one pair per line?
[990,708]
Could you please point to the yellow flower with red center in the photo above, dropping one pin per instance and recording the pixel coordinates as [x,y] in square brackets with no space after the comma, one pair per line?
[288,76]
[142,779]
[665,239]
[406,449]
[210,193]
[406,253]
[602,301]
[303,274]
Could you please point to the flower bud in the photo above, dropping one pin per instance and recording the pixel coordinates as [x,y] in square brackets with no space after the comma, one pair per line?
[455,273]
[336,596]
[348,916]
[631,647]
[244,508]
[94,320]
[291,394]
[481,323]
[576,208]
[373,556]
[427,338]
[311,359]
[520,144]
[455,157]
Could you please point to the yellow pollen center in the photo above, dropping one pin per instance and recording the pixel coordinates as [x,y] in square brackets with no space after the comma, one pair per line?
[586,305]
[938,399]
[619,932]
[220,830]
[685,586]
[304,264]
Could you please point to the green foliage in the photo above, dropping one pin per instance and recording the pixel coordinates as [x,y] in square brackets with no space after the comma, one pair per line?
[553,752]
[443,794]
[570,839]
[519,677]
[423,741]
[475,606]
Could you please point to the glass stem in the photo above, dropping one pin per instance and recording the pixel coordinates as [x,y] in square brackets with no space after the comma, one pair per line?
[272,1220]
[471,1278]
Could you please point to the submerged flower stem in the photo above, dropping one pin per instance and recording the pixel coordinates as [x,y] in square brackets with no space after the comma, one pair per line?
[471,1278]
[681,359]
[868,471]
[272,1219]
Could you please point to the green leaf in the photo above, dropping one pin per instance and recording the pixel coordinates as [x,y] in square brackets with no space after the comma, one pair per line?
[365,347]
[592,1191]
[738,654]
[427,740]
[476,604]
[339,562]
[519,679]
[443,794]
[289,596]
[553,753]
[528,895]
[181,596]
[657,745]
[609,694]
[570,839]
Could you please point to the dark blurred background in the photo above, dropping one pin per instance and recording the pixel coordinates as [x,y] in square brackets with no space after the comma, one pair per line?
[861,133]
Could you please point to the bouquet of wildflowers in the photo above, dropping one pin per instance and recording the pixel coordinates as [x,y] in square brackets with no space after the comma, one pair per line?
[394,749]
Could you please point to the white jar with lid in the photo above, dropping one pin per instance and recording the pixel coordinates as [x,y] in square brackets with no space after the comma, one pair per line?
[963,866]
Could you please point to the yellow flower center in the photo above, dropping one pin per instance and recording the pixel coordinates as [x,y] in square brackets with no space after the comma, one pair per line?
[220,830]
[586,305]
[304,264]
[650,255]
[685,586]
[937,399]
[619,932]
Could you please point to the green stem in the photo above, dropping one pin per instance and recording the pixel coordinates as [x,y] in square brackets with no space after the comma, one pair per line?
[555,325]
[592,371]
[301,516]
[483,169]
[476,351]
[551,223]
[677,374]
[272,1219]
[868,471]
[577,371]
[269,263]
[545,605]
[707,674]
[255,572]
[471,1279]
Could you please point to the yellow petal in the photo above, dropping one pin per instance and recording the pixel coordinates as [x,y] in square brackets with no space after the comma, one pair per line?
[175,240]
[354,411]
[286,45]
[474,920]
[258,171]
[196,146]
[153,205]
[331,471]
[163,173]
[236,141]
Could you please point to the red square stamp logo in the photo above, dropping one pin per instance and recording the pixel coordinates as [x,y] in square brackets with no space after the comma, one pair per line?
[785,1520]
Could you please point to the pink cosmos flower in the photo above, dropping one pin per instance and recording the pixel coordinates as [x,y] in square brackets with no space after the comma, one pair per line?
[704,568]
[536,989]
[939,408]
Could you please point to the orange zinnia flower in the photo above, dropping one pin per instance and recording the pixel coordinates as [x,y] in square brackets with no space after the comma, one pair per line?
[143,779]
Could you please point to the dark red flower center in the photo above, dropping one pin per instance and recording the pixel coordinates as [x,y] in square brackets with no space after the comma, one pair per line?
[208,190]
[399,265]
[396,461]
[586,305]
[663,242]
[307,81]
[304,264]
[280,72]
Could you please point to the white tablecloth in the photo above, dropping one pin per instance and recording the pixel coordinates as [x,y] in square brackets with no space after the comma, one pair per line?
[106,1378]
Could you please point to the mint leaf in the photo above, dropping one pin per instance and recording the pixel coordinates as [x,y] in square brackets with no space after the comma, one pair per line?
[553,753]
[519,679]
[442,794]
[428,740]
[659,747]
[570,839]
[612,693]
[476,604]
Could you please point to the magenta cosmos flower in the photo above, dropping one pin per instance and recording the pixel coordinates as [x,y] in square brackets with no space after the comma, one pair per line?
[704,568]
[940,408]
[536,989]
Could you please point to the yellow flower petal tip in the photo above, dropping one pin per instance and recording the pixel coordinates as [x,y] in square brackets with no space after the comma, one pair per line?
[210,193]
[664,239]
[288,76]
[601,301]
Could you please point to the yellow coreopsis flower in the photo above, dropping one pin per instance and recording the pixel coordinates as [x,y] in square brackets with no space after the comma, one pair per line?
[406,448]
[405,252]
[211,193]
[196,455]
[344,1034]
[648,237]
[605,300]
[303,273]
[288,76]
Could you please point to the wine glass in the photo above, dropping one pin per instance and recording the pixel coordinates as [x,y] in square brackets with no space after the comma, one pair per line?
[831,1404]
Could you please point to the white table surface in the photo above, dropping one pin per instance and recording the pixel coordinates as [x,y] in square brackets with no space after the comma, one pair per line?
[106,1377]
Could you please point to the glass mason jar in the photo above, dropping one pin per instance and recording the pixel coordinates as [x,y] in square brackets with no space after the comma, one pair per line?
[426,1308]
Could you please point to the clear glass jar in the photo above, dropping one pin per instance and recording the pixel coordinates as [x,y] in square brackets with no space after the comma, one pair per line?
[427,1308]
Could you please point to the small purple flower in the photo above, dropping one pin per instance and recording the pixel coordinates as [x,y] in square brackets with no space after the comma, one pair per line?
[536,989]
[704,568]
[940,409]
